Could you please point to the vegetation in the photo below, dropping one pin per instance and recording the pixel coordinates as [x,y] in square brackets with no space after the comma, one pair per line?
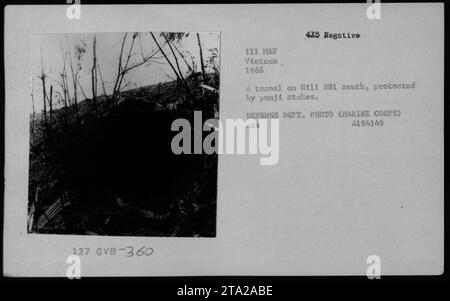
[103,165]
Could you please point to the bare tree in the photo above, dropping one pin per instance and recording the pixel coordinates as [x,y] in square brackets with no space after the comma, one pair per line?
[176,59]
[50,103]
[201,57]
[63,82]
[119,69]
[123,72]
[94,71]
[74,76]
[63,88]
[101,78]
[33,116]
[42,77]
[183,57]
[81,88]
[167,59]
[123,69]
[63,75]
[32,101]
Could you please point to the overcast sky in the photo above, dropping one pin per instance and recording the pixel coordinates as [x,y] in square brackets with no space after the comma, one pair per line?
[108,49]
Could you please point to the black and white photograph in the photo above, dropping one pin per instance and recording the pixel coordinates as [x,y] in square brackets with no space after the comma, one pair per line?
[101,109]
[242,143]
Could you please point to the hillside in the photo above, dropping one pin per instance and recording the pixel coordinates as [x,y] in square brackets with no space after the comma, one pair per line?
[106,167]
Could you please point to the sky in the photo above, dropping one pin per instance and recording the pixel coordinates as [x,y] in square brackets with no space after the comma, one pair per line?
[48,50]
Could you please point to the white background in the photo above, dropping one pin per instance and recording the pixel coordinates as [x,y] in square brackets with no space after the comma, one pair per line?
[337,195]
